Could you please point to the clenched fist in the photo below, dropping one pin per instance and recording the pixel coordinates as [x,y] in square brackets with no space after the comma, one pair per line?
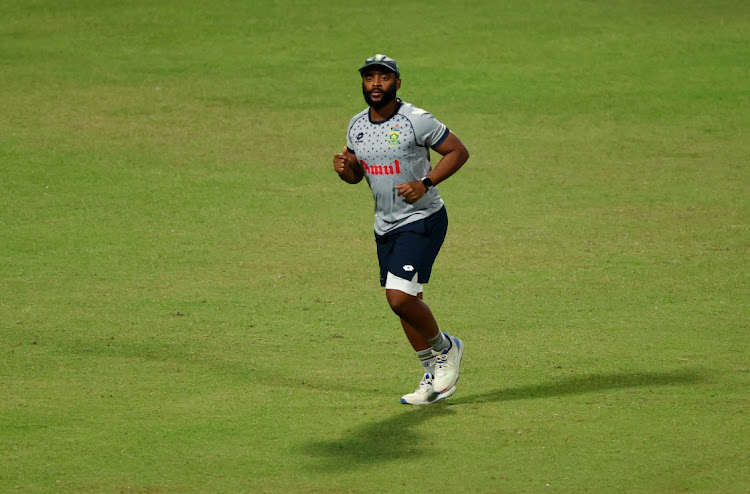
[411,191]
[347,166]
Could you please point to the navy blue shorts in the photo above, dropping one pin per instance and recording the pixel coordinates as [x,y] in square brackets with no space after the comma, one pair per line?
[413,248]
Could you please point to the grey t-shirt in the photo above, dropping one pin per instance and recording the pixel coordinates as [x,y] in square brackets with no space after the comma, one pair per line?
[393,152]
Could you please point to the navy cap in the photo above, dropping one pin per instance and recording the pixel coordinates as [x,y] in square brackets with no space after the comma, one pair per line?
[382,61]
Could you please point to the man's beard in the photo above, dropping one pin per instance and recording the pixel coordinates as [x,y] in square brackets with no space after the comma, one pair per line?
[389,94]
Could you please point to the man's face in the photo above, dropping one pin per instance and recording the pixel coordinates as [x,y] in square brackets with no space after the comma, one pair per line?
[379,87]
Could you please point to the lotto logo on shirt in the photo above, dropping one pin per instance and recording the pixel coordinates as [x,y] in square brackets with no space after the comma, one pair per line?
[394,135]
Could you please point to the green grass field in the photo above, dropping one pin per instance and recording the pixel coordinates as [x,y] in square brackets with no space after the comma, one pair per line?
[189,298]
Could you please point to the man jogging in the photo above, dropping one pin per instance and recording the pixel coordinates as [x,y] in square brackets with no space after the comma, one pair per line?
[389,145]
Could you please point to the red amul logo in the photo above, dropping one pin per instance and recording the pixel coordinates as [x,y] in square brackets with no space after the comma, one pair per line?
[394,169]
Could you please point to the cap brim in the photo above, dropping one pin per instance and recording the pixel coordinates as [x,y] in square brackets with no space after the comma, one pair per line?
[376,64]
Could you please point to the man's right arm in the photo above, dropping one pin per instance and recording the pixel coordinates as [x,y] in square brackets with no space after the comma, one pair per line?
[347,166]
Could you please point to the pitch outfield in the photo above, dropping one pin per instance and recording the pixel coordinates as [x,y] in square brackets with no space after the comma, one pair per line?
[189,299]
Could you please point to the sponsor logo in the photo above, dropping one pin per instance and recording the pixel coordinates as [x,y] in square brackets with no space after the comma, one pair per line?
[408,268]
[394,169]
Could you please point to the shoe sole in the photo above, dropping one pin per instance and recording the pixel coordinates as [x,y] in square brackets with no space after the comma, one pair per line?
[441,397]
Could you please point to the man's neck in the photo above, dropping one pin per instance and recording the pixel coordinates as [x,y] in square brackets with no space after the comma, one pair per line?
[386,112]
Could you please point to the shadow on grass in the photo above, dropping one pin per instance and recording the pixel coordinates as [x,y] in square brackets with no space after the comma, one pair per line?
[396,437]
[386,440]
[584,384]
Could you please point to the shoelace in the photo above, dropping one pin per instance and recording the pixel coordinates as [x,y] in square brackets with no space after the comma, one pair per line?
[425,382]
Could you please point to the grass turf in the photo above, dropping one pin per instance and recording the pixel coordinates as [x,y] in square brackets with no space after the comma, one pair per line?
[189,299]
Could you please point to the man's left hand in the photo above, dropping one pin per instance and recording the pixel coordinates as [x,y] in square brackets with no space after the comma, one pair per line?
[411,191]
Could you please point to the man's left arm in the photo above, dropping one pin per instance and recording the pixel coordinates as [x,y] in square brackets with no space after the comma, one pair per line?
[454,155]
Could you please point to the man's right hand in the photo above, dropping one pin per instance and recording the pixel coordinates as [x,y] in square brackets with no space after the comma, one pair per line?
[346,165]
[341,161]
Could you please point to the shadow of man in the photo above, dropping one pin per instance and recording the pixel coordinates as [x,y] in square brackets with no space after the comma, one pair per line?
[390,439]
[397,437]
[576,385]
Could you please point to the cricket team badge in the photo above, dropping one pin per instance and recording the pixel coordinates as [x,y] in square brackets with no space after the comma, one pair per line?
[394,135]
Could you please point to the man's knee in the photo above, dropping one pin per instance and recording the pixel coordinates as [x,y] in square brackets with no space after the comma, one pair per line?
[399,301]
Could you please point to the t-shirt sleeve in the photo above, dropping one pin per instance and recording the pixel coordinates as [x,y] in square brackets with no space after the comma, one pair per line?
[429,131]
[349,137]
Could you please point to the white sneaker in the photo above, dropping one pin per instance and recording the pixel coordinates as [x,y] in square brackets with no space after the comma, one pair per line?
[425,393]
[447,365]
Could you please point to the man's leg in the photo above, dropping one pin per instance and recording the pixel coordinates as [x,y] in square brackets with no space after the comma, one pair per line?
[416,318]
[406,258]
[423,331]
[425,337]
[420,326]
